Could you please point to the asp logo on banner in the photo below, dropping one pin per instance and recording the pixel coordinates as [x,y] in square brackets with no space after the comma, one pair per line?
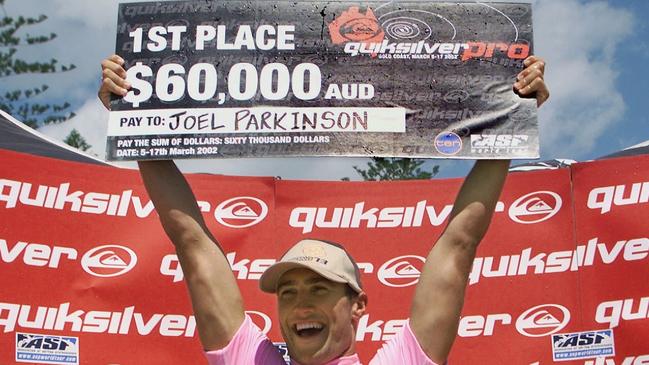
[47,349]
[583,345]
[535,207]
[241,212]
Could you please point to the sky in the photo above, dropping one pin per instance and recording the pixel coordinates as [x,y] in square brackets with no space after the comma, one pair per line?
[595,53]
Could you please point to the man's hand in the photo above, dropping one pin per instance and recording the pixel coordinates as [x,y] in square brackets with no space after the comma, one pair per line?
[113,79]
[530,82]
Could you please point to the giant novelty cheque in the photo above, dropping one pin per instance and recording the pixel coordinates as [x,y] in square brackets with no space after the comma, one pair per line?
[305,78]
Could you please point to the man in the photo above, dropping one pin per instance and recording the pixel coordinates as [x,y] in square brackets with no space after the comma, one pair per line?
[319,293]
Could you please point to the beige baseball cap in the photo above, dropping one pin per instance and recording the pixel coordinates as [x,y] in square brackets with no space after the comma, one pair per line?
[328,259]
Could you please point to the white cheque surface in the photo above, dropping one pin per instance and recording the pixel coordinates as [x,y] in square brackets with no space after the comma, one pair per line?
[256,120]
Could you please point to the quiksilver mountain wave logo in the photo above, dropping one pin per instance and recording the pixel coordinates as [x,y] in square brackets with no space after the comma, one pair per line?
[109,261]
[241,212]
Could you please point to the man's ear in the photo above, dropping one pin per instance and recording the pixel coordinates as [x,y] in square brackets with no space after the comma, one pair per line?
[359,307]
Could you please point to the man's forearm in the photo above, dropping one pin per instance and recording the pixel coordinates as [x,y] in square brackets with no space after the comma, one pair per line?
[478,196]
[173,199]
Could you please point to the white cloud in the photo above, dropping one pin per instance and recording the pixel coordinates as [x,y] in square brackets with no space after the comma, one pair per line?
[90,121]
[579,42]
[97,14]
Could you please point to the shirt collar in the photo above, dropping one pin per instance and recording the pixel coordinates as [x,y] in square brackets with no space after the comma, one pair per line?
[346,360]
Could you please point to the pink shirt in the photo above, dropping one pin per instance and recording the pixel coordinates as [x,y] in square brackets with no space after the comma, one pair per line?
[250,346]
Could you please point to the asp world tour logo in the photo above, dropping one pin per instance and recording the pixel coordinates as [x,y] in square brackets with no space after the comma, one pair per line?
[46,349]
[583,345]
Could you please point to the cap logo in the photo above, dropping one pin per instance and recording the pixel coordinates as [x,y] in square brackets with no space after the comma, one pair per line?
[314,249]
[317,260]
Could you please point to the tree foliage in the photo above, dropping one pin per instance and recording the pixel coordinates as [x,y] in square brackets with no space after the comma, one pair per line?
[75,139]
[381,168]
[17,102]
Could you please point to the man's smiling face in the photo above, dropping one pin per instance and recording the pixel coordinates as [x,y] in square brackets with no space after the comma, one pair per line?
[317,316]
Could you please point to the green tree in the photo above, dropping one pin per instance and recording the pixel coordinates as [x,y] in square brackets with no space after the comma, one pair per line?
[382,168]
[17,102]
[75,139]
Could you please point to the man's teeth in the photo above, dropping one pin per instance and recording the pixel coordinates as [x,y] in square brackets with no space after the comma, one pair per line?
[307,326]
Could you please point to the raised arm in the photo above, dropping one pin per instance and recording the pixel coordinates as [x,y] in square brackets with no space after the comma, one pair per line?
[439,296]
[215,296]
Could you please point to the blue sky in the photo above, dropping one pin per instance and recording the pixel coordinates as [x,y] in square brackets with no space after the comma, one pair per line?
[631,62]
[595,52]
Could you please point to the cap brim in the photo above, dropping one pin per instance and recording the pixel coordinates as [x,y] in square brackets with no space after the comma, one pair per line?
[269,279]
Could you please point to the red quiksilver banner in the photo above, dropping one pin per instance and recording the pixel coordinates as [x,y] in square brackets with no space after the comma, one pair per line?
[89,277]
